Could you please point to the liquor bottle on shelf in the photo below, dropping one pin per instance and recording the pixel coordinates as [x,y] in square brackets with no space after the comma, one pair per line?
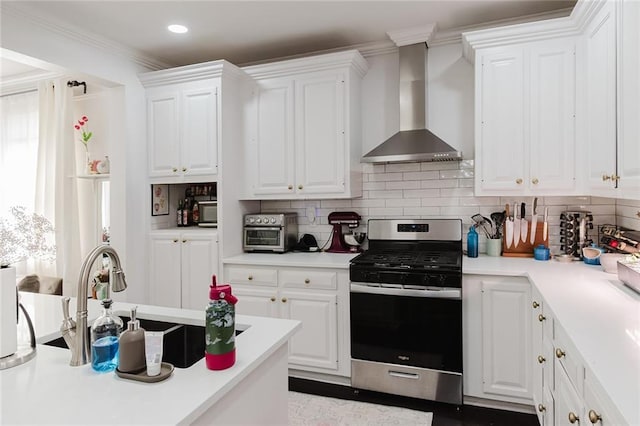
[186,213]
[180,214]
[195,212]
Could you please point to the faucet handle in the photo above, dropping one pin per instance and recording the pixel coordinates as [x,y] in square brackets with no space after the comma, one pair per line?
[67,322]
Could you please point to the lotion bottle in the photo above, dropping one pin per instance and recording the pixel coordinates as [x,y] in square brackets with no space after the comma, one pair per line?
[132,358]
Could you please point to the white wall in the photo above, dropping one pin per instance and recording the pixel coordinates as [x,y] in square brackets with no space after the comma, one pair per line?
[52,44]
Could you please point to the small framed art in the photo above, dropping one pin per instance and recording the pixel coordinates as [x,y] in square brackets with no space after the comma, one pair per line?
[159,200]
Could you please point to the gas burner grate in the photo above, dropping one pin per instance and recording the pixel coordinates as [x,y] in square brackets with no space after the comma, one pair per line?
[409,259]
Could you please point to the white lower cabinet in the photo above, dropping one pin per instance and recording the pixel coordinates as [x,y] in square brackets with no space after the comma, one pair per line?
[316,297]
[497,338]
[181,266]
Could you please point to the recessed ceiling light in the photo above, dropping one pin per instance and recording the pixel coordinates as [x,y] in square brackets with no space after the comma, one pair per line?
[179,29]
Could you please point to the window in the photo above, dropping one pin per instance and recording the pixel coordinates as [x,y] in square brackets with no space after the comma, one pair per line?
[18,150]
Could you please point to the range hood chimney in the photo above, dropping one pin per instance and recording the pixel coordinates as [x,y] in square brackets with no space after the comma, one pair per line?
[413,142]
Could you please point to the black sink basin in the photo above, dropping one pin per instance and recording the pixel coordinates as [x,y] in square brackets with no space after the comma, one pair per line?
[183,344]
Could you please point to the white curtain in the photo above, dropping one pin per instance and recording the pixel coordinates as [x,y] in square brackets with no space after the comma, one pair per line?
[56,189]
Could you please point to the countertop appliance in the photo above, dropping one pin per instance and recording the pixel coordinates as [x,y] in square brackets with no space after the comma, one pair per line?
[338,219]
[270,232]
[208,211]
[406,309]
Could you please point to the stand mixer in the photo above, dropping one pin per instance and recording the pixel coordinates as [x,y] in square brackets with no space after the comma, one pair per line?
[345,243]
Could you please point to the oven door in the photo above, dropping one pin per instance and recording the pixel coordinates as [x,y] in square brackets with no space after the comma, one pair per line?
[262,238]
[419,327]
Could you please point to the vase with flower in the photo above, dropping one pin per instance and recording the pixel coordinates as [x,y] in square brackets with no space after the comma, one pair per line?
[85,136]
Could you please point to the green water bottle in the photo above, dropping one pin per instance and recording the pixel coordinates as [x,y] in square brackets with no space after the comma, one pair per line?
[220,335]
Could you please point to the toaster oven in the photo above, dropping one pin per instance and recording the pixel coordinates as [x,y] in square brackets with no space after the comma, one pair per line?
[270,232]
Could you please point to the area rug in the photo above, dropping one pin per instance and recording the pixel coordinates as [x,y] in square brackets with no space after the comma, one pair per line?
[313,410]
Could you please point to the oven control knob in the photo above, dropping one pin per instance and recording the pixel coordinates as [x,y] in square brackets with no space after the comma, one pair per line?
[251,220]
[272,220]
[259,220]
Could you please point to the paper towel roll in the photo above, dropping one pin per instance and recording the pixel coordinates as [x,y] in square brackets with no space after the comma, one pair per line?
[8,312]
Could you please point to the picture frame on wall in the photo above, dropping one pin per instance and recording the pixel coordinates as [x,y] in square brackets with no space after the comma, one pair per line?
[159,199]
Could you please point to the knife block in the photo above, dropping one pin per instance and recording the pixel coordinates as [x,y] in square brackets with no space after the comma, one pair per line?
[525,248]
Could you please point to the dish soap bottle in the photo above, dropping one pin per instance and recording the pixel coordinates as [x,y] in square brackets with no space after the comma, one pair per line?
[132,359]
[472,242]
[104,339]
[220,337]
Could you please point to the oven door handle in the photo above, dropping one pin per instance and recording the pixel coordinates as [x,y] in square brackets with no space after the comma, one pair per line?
[445,293]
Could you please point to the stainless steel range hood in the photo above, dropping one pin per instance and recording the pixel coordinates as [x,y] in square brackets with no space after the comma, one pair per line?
[413,142]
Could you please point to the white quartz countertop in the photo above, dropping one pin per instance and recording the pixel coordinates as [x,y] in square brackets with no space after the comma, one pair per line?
[599,313]
[299,259]
[46,390]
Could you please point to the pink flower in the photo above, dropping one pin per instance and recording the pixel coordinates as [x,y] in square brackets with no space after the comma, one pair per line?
[77,127]
[84,118]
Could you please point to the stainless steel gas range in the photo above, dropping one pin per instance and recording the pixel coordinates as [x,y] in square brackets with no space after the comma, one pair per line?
[406,310]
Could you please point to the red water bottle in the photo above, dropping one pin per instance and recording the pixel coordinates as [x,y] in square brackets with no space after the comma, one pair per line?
[220,321]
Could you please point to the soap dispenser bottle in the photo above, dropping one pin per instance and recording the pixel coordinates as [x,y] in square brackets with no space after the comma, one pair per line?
[472,242]
[132,358]
[104,339]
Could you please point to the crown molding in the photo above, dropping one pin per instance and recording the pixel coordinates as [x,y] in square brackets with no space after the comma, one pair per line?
[565,26]
[81,36]
[194,72]
[348,58]
[26,82]
[413,35]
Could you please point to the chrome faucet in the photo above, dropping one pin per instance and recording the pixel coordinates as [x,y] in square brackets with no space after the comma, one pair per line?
[77,335]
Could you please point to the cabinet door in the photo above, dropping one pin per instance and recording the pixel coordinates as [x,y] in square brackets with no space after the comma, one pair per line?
[629,93]
[272,153]
[601,98]
[199,263]
[598,407]
[500,144]
[321,157]
[552,116]
[506,333]
[164,270]
[199,123]
[256,301]
[568,404]
[316,344]
[547,409]
[162,133]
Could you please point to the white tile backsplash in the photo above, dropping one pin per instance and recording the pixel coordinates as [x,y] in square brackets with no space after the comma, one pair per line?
[445,189]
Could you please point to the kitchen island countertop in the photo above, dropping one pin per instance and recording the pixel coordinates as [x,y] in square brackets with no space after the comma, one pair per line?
[46,390]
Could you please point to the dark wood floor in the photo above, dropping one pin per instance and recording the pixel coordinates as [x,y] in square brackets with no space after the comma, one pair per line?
[443,414]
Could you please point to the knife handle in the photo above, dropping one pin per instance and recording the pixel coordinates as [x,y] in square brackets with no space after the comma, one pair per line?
[523,210]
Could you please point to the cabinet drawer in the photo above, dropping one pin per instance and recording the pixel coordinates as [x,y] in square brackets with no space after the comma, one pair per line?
[567,356]
[568,405]
[252,275]
[598,408]
[309,279]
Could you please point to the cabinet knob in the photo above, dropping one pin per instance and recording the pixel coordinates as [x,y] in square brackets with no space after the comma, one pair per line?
[535,304]
[594,417]
[573,418]
[284,300]
[541,318]
[541,359]
[175,240]
[184,169]
[535,181]
[184,241]
[290,187]
[300,186]
[250,277]
[541,408]
[519,181]
[605,178]
[273,298]
[560,353]
[615,177]
[307,280]
[174,169]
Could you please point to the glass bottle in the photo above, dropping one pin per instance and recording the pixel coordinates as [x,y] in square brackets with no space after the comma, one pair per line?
[472,242]
[179,214]
[104,339]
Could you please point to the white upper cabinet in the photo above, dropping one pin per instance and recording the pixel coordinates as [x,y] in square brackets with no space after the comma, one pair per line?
[629,99]
[182,129]
[600,120]
[303,128]
[525,118]
[185,118]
